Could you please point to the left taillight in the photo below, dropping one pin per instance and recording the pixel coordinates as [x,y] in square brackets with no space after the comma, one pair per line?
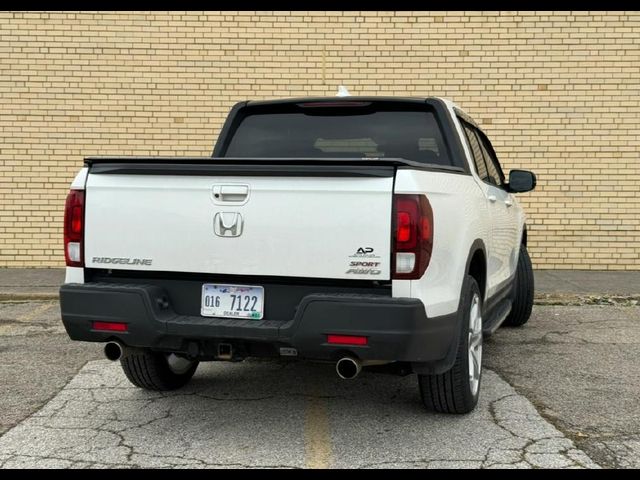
[74,229]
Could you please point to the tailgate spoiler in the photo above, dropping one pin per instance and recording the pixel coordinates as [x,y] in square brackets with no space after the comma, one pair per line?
[334,167]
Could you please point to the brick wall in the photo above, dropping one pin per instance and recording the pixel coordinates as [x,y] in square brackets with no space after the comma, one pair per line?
[556,92]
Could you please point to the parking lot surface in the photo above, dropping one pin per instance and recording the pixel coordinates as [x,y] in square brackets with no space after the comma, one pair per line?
[271,414]
[560,392]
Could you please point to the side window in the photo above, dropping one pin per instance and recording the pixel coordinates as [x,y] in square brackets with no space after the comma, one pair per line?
[476,152]
[493,166]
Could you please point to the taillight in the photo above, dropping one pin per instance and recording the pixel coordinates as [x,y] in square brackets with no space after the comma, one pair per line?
[413,241]
[74,229]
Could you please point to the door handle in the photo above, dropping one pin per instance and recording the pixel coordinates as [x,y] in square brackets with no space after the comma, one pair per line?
[508,202]
[236,194]
[492,198]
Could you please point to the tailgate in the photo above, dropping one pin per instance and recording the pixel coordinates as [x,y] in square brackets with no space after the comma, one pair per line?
[297,225]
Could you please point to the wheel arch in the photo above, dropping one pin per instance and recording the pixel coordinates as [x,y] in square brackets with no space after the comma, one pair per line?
[476,259]
[476,265]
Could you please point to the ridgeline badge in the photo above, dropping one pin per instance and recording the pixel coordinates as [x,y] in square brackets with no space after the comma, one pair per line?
[122,261]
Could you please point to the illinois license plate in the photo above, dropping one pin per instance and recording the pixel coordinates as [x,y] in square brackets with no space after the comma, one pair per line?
[232,301]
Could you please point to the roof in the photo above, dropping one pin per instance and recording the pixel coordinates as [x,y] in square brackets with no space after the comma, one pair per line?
[283,101]
[340,99]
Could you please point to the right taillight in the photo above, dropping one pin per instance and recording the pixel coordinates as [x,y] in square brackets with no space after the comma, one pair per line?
[413,236]
[74,229]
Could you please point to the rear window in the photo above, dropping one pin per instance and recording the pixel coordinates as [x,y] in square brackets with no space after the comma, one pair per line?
[333,132]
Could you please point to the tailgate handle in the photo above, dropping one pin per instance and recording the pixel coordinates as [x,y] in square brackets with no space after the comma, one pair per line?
[230,193]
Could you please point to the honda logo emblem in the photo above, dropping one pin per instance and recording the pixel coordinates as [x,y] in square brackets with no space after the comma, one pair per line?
[227,224]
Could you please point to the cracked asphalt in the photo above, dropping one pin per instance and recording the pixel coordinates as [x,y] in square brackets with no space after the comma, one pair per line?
[580,365]
[560,392]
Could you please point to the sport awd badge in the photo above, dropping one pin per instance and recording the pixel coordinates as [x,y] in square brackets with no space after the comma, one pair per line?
[364,265]
[364,268]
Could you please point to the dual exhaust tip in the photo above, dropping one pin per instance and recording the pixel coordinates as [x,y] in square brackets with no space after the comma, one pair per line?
[347,368]
[113,351]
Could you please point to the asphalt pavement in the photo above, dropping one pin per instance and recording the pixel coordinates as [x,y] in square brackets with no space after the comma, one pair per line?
[580,367]
[560,392]
[259,414]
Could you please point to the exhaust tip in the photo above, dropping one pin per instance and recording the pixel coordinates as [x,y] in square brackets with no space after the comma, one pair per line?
[113,351]
[348,368]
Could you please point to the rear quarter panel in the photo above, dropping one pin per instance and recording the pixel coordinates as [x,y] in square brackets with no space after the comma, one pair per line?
[460,217]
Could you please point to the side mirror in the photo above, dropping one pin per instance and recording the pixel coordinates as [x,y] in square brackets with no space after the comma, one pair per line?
[521,181]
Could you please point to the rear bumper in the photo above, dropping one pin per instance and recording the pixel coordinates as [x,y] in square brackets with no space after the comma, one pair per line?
[398,329]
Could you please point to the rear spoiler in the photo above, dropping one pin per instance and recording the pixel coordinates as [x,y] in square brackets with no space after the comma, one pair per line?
[341,167]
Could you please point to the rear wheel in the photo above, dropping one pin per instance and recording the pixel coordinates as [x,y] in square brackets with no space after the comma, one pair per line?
[522,291]
[457,390]
[157,371]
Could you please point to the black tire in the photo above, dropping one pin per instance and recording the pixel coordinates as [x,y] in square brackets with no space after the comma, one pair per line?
[522,292]
[151,371]
[452,391]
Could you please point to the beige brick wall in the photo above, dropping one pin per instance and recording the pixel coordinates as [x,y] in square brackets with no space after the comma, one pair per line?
[556,92]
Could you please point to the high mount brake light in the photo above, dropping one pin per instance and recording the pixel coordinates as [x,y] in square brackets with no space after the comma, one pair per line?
[333,104]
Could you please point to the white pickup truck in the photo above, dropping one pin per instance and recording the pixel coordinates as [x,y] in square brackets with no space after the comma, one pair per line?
[363,231]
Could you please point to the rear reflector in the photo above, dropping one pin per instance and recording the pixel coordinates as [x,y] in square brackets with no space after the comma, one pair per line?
[110,326]
[347,340]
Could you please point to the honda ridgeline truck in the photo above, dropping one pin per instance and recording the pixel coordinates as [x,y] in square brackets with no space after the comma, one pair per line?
[362,231]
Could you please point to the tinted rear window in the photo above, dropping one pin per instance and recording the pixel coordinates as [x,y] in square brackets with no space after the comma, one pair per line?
[353,132]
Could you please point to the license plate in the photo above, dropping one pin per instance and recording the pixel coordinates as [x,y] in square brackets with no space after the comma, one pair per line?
[232,301]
